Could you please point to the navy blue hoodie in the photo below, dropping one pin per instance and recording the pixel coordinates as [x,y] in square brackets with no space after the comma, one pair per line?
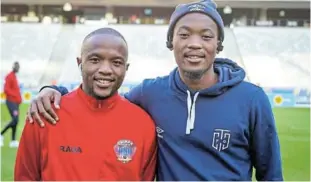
[218,133]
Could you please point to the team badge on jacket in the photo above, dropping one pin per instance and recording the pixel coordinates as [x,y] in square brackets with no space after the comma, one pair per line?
[125,150]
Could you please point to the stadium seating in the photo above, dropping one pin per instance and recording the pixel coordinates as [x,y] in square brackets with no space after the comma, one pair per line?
[148,55]
[29,44]
[272,57]
[276,57]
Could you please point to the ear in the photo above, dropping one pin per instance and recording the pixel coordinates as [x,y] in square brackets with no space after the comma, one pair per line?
[127,66]
[220,47]
[79,61]
[169,45]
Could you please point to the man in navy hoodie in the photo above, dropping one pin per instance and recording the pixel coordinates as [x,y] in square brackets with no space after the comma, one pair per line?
[211,125]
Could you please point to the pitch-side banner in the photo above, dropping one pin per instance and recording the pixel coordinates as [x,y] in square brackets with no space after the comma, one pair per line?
[278,97]
[29,94]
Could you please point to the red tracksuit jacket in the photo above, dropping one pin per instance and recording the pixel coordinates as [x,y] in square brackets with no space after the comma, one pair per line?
[94,140]
[11,88]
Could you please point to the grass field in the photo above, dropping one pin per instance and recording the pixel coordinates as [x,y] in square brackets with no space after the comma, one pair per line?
[293,127]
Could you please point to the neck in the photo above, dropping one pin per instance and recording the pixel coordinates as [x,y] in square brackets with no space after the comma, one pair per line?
[208,79]
[86,90]
[89,92]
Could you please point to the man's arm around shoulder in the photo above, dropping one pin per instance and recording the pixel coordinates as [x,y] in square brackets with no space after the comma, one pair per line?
[28,158]
[265,146]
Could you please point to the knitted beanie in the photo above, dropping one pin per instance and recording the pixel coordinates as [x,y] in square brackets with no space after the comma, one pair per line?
[207,7]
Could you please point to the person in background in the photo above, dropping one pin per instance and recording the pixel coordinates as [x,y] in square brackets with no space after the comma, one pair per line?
[13,100]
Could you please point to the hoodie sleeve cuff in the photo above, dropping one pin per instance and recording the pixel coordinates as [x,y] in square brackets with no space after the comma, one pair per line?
[62,90]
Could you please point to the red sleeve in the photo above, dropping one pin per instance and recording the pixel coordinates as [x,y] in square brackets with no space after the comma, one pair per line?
[150,153]
[27,166]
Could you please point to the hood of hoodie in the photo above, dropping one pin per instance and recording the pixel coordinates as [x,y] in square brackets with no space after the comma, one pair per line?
[229,75]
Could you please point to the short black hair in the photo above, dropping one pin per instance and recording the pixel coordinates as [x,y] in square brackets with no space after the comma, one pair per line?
[105,31]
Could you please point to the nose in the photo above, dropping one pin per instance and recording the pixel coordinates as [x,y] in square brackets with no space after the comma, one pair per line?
[105,68]
[195,42]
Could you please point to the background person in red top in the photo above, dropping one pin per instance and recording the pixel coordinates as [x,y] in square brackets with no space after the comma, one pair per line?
[13,100]
[120,145]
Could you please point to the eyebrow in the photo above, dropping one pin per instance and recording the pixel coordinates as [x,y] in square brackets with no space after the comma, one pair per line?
[119,57]
[184,27]
[189,29]
[97,55]
[93,54]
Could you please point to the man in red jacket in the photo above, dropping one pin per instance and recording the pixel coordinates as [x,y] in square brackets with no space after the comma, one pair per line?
[13,99]
[122,143]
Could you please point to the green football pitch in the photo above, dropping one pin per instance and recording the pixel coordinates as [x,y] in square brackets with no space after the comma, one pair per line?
[293,127]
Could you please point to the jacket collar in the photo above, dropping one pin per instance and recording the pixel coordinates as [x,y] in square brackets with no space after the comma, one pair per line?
[98,105]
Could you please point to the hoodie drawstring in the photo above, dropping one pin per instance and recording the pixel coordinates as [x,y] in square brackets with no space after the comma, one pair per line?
[191,111]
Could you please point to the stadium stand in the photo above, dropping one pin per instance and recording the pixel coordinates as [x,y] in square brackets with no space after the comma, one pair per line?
[31,45]
[276,57]
[48,52]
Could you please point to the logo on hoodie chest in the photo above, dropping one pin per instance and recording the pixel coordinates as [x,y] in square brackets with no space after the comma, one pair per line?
[221,139]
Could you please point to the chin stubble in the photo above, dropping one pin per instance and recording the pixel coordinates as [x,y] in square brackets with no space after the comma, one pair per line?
[195,75]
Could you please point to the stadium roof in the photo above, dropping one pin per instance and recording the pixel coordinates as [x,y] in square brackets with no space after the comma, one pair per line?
[304,4]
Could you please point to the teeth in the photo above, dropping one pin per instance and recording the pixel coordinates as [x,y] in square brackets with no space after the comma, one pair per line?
[193,57]
[104,81]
